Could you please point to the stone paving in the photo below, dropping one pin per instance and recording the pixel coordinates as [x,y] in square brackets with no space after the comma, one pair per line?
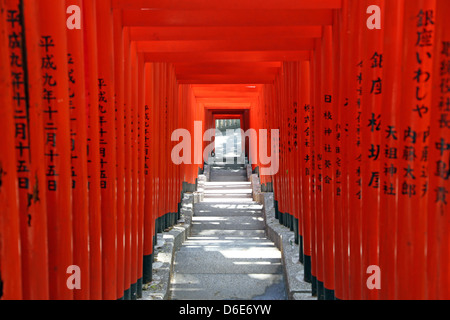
[227,255]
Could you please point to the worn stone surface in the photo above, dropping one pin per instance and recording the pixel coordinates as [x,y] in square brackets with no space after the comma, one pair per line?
[213,263]
[227,255]
[249,171]
[284,239]
[167,243]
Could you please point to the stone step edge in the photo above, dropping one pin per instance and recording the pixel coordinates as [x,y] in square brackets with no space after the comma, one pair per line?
[168,244]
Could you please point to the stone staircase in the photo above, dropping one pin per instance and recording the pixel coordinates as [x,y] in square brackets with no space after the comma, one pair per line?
[227,255]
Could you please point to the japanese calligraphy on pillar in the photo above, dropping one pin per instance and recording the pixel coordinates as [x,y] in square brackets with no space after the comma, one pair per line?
[49,67]
[103,120]
[442,145]
[20,100]
[295,127]
[373,153]
[415,134]
[147,140]
[338,161]
[307,139]
[328,145]
[373,122]
[310,143]
[73,118]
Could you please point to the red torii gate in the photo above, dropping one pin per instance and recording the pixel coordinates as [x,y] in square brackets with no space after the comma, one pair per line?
[364,143]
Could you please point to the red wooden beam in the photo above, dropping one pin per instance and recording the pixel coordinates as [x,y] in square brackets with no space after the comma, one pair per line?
[258,64]
[223,33]
[226,17]
[222,107]
[229,56]
[226,70]
[229,4]
[201,79]
[226,45]
[226,87]
[226,100]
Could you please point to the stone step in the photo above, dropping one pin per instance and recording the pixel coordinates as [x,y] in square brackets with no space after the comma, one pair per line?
[219,208]
[227,234]
[227,223]
[228,260]
[226,178]
[228,200]
[228,195]
[227,286]
[228,213]
[240,184]
[208,242]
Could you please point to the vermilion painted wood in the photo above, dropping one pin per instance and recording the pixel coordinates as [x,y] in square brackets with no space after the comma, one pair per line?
[141,171]
[356,26]
[95,231]
[338,105]
[224,33]
[57,153]
[120,145]
[35,281]
[78,131]
[10,253]
[227,56]
[305,158]
[371,133]
[135,169]
[227,17]
[392,60]
[414,170]
[319,165]
[108,170]
[438,247]
[149,219]
[226,45]
[232,4]
[128,163]
[328,150]
[342,221]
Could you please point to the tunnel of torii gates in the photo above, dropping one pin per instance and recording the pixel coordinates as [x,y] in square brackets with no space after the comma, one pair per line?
[360,96]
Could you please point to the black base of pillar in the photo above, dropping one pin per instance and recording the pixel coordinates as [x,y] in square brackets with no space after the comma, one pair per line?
[277,213]
[329,294]
[295,225]
[160,224]
[320,290]
[307,268]
[133,290]
[127,294]
[301,255]
[314,285]
[166,221]
[139,288]
[147,273]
